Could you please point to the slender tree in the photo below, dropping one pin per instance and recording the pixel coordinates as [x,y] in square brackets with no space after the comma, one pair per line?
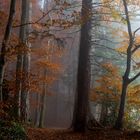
[5,43]
[43,99]
[126,79]
[83,76]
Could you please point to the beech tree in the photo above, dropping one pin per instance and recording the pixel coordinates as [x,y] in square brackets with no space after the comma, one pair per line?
[83,76]
[5,44]
[131,49]
[21,93]
[43,99]
[26,68]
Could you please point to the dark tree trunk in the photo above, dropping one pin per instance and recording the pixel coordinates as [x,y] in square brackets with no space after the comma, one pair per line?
[5,42]
[126,80]
[83,76]
[119,122]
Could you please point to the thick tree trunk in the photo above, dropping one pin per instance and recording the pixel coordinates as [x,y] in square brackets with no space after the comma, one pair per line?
[19,67]
[26,69]
[83,85]
[5,42]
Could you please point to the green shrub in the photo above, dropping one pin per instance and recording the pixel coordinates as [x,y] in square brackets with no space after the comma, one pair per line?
[11,131]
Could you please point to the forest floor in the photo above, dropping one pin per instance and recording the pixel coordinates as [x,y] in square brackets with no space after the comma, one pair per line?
[100,134]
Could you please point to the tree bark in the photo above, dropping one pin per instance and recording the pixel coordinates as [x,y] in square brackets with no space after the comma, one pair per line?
[37,111]
[119,122]
[5,43]
[43,99]
[19,66]
[26,68]
[83,76]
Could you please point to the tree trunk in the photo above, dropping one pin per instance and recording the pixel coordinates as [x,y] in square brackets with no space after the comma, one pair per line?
[19,67]
[119,122]
[37,111]
[5,42]
[43,99]
[26,68]
[83,85]
[126,80]
[103,114]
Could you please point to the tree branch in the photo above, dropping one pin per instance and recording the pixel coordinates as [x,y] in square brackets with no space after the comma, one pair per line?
[134,78]
[37,21]
[136,32]
[136,48]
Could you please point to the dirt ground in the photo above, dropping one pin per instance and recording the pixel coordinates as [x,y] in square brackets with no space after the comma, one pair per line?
[102,134]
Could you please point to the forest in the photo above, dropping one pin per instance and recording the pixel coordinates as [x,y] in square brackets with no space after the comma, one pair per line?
[69,70]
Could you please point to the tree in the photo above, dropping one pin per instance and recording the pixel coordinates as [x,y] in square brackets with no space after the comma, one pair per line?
[107,92]
[20,94]
[43,99]
[83,76]
[26,66]
[5,44]
[126,80]
[44,74]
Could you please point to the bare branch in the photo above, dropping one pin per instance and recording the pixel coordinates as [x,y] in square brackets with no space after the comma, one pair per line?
[136,48]
[136,32]
[134,78]
[37,21]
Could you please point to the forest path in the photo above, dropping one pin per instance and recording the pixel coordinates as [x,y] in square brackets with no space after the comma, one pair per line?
[61,134]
